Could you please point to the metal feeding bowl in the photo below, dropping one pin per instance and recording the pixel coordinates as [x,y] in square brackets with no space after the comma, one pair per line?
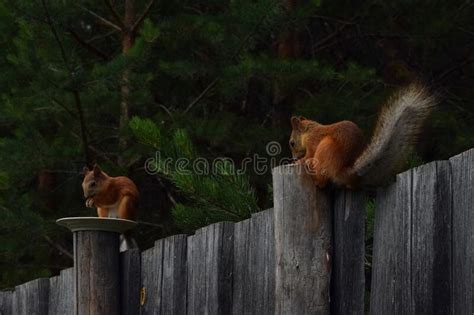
[97,224]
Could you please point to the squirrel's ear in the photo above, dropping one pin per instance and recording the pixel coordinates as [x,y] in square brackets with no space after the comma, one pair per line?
[295,122]
[97,170]
[302,118]
[85,170]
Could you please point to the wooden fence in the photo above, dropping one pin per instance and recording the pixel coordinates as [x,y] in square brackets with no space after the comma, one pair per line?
[423,256]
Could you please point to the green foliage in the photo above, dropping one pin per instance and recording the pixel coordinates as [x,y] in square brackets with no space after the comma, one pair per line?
[208,79]
[369,220]
[214,190]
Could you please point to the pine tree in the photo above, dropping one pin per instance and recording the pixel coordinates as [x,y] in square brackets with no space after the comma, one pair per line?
[205,79]
[214,191]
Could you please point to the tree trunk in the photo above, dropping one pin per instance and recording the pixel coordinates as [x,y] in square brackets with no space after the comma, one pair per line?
[288,47]
[128,39]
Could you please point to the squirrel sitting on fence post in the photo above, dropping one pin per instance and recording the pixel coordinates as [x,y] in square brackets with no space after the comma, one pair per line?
[114,197]
[338,153]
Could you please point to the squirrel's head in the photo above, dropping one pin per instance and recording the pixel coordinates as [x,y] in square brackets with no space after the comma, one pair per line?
[300,126]
[93,181]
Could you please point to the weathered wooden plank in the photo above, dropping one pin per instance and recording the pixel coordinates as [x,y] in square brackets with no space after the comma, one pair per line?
[463,232]
[97,274]
[152,275]
[404,304]
[31,298]
[262,263]
[242,281]
[302,242]
[210,260]
[130,281]
[6,302]
[254,265]
[383,293]
[431,238]
[61,293]
[412,251]
[173,288]
[348,277]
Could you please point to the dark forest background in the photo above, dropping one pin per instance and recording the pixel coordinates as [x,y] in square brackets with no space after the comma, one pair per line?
[116,81]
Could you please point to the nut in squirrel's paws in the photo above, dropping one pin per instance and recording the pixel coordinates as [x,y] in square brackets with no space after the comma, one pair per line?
[89,203]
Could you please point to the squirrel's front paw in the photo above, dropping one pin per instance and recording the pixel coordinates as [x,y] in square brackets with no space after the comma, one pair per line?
[312,166]
[300,161]
[90,203]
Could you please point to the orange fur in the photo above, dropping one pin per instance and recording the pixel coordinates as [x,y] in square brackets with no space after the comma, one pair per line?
[328,151]
[113,196]
[338,153]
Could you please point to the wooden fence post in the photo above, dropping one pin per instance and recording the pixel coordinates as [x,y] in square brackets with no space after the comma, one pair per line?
[163,277]
[412,268]
[61,293]
[209,269]
[96,263]
[462,167]
[254,265]
[302,243]
[6,302]
[31,298]
[348,277]
[130,271]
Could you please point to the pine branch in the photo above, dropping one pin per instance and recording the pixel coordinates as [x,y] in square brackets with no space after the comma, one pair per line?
[75,93]
[115,14]
[200,96]
[60,104]
[102,19]
[143,16]
[88,46]
[237,52]
[58,247]
[55,34]
[101,36]
[77,100]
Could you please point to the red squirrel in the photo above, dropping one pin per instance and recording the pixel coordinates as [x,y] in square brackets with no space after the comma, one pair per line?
[338,153]
[114,197]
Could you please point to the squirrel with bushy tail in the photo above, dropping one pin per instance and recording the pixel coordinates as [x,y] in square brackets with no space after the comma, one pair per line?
[338,154]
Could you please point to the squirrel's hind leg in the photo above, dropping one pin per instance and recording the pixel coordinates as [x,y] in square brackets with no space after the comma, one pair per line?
[102,212]
[313,167]
[126,208]
[328,161]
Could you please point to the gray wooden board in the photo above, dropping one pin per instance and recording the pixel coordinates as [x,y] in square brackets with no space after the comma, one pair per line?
[302,242]
[152,264]
[348,254]
[463,232]
[173,288]
[262,263]
[210,260]
[130,283]
[164,276]
[383,293]
[242,281]
[403,238]
[6,302]
[431,238]
[61,293]
[31,298]
[412,243]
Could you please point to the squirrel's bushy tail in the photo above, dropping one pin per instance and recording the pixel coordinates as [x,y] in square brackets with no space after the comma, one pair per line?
[397,129]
